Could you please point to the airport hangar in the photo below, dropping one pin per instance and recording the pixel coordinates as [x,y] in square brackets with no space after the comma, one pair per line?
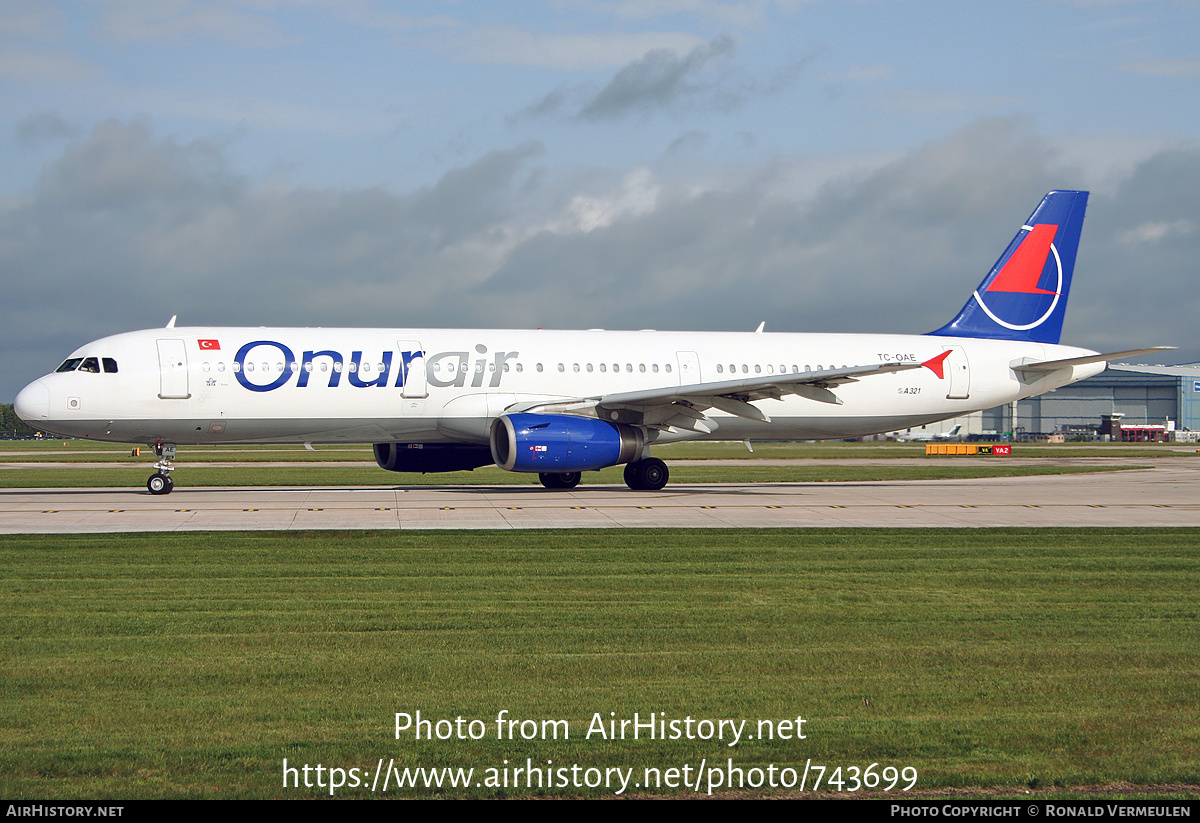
[1144,396]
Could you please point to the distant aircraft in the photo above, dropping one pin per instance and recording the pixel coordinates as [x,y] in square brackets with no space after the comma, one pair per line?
[927,437]
[558,403]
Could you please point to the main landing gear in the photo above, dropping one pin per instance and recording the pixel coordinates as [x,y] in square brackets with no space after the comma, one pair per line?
[560,480]
[647,475]
[160,482]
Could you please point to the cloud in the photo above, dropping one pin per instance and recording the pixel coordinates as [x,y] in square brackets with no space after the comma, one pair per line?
[569,52]
[730,14]
[44,127]
[1165,68]
[925,103]
[23,64]
[128,227]
[660,79]
[155,21]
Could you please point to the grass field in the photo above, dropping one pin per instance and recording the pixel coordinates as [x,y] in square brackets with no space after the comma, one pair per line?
[192,665]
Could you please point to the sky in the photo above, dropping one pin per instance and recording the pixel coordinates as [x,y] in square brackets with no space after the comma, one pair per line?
[827,165]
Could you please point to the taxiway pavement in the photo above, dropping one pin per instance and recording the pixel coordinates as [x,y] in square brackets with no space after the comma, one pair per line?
[1166,495]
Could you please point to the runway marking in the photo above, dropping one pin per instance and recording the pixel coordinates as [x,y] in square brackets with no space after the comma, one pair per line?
[597,506]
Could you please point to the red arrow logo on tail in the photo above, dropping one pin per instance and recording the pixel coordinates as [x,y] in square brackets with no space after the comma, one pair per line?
[1023,270]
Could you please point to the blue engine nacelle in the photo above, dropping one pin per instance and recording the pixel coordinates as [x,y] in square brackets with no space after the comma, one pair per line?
[431,457]
[549,443]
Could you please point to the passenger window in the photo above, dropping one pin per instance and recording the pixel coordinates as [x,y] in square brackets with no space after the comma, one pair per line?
[110,365]
[90,364]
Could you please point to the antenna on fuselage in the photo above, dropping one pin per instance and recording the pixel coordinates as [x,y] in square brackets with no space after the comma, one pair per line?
[761,326]
[171,322]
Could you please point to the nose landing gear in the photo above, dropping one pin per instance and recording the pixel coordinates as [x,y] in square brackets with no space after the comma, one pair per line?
[160,482]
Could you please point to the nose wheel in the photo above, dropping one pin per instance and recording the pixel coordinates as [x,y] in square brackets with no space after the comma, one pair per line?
[160,482]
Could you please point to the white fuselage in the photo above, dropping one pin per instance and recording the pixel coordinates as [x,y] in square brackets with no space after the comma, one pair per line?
[213,385]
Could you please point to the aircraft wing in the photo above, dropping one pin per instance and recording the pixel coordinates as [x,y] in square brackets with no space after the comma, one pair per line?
[684,406]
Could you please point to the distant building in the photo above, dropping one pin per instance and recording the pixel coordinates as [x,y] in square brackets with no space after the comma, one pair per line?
[1149,402]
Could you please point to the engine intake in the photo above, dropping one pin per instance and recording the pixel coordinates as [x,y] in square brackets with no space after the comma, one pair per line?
[562,443]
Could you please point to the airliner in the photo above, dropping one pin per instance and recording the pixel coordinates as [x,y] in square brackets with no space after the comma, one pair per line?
[929,437]
[559,403]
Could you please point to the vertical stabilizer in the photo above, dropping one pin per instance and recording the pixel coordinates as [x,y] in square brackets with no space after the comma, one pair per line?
[1024,296]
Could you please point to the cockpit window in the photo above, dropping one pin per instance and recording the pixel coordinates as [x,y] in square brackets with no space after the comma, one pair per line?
[90,364]
[110,365]
[70,365]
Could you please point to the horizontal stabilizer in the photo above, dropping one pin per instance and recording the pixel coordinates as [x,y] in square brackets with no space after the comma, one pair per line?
[1054,365]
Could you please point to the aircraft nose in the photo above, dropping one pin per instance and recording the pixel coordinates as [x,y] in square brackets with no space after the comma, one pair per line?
[33,403]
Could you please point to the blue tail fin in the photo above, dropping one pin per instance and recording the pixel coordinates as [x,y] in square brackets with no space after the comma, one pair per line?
[1024,296]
